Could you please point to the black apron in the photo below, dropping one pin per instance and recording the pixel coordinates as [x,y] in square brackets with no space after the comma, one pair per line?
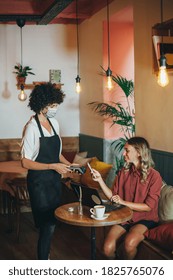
[44,186]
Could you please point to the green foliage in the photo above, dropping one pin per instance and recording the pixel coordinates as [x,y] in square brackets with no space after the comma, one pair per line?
[126,85]
[22,71]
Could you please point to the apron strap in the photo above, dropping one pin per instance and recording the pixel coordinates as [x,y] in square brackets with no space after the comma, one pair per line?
[39,125]
[40,128]
[52,126]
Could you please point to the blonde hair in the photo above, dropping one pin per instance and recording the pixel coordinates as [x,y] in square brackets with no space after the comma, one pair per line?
[141,145]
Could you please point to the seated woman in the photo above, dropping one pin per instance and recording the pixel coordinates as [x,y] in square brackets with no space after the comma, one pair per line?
[137,186]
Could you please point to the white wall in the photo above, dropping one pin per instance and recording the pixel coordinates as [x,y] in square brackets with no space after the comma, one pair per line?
[44,48]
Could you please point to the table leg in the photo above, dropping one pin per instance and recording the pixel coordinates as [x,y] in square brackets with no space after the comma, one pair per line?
[93,243]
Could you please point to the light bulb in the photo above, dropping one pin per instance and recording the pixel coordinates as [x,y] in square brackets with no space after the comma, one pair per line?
[163,79]
[22,95]
[109,83]
[78,88]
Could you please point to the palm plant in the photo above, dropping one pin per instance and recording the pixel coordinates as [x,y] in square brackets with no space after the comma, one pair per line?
[124,117]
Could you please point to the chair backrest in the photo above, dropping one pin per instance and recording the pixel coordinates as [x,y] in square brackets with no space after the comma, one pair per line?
[19,188]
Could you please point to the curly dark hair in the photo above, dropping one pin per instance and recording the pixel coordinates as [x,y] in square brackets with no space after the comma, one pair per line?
[43,95]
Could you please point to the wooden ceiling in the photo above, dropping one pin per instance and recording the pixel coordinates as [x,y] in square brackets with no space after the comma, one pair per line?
[163,29]
[48,11]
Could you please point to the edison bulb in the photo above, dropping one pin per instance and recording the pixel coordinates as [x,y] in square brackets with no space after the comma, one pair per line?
[163,79]
[22,95]
[78,88]
[109,83]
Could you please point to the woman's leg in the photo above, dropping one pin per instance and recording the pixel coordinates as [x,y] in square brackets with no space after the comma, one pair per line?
[111,239]
[44,241]
[132,240]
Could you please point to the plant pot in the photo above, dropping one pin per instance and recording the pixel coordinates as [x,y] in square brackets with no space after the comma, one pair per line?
[20,80]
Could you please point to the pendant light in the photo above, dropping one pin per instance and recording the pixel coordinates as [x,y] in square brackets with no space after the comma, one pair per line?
[163,79]
[78,79]
[108,72]
[22,95]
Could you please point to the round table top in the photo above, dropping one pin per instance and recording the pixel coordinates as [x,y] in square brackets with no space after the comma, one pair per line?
[13,166]
[116,217]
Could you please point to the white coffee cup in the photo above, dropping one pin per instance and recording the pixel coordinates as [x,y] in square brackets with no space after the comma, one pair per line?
[98,211]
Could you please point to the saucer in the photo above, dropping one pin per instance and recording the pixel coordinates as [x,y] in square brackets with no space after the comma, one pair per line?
[100,219]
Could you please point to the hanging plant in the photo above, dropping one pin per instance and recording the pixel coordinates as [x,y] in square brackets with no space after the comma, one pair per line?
[22,72]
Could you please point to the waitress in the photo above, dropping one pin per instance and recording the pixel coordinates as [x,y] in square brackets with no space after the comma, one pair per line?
[41,155]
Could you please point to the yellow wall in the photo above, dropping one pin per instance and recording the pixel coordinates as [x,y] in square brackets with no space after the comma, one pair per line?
[153,104]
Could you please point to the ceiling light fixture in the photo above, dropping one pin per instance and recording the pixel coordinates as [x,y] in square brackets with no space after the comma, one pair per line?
[108,72]
[163,79]
[78,79]
[22,95]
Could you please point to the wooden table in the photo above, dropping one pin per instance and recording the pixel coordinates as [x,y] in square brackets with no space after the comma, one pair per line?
[73,218]
[10,170]
[13,185]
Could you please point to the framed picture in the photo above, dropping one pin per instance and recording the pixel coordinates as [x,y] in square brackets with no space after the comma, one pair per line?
[163,45]
[55,76]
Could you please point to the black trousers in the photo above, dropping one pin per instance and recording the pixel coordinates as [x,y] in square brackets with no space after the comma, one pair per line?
[44,242]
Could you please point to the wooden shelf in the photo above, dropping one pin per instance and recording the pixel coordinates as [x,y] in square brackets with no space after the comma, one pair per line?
[31,86]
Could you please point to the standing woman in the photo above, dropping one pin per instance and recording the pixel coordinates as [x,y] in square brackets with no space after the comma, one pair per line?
[137,186]
[41,155]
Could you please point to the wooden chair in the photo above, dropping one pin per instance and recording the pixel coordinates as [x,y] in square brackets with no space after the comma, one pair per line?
[16,201]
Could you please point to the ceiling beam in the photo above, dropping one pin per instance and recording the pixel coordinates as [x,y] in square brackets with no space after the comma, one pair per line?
[57,7]
[13,18]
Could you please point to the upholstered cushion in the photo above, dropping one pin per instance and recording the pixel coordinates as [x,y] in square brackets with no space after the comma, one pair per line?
[82,154]
[102,167]
[80,160]
[166,204]
[69,155]
[162,235]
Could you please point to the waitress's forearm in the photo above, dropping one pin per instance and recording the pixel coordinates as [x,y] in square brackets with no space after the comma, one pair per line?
[64,160]
[34,165]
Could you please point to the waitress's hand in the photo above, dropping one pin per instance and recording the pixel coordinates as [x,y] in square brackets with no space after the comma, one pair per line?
[61,168]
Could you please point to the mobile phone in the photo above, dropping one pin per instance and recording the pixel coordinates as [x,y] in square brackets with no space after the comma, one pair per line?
[91,170]
[90,167]
[80,170]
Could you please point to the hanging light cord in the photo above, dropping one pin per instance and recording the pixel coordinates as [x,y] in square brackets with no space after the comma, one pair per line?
[77,32]
[161,10]
[21,46]
[108,33]
[161,17]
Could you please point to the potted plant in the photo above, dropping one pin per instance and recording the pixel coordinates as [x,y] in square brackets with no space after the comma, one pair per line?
[22,72]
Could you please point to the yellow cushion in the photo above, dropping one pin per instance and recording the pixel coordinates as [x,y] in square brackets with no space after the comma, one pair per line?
[102,167]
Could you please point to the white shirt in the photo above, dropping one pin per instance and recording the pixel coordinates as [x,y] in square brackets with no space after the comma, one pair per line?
[31,134]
